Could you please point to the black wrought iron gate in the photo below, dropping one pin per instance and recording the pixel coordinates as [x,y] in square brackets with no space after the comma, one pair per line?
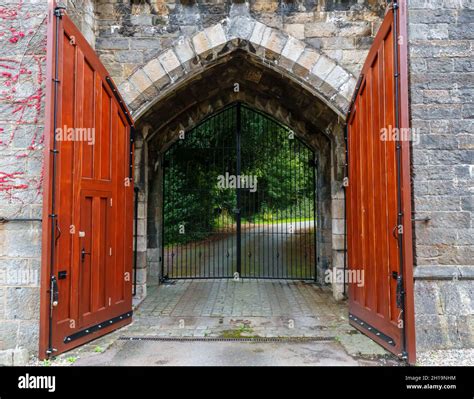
[239,200]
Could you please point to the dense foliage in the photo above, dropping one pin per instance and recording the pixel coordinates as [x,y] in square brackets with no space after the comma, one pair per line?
[195,205]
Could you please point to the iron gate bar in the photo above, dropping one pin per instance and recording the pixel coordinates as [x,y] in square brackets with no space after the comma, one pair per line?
[238,192]
[253,250]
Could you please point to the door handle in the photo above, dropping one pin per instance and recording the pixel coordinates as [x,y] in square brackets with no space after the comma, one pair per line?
[83,255]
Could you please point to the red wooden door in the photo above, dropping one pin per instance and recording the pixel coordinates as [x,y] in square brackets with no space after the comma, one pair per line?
[378,199]
[88,198]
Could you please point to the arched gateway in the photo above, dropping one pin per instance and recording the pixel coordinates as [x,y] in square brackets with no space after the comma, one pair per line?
[235,69]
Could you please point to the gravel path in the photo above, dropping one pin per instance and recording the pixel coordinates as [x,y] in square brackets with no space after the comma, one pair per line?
[451,357]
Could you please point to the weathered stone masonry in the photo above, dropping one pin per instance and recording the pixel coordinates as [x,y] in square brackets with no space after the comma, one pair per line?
[441,45]
[22,74]
[149,47]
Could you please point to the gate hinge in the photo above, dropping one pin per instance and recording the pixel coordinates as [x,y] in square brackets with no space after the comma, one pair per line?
[50,351]
[58,11]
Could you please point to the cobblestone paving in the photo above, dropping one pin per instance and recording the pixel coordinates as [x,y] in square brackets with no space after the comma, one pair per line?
[265,308]
[234,309]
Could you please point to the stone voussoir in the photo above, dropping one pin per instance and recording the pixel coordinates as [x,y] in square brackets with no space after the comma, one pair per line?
[143,83]
[156,73]
[186,55]
[171,64]
[291,52]
[272,45]
[286,53]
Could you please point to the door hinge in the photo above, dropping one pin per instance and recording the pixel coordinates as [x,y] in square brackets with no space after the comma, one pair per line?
[59,11]
[111,202]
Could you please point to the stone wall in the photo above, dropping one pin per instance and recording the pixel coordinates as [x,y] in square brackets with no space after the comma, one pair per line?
[82,13]
[155,68]
[132,32]
[22,78]
[441,39]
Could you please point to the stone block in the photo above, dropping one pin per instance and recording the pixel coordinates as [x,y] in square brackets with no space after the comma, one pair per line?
[291,53]
[129,56]
[322,68]
[129,93]
[186,54]
[24,241]
[201,43]
[22,303]
[257,34]
[320,29]
[337,77]
[306,62]
[216,37]
[348,88]
[295,30]
[28,335]
[338,226]
[141,276]
[171,64]
[273,42]
[240,27]
[155,71]
[113,43]
[14,357]
[143,83]
[8,334]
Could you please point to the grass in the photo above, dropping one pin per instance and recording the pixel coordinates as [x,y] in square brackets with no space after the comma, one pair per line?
[242,332]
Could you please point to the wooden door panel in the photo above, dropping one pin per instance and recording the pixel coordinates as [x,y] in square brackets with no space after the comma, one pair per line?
[372,197]
[93,203]
[95,265]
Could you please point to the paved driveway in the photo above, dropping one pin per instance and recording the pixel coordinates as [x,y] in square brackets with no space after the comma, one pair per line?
[278,250]
[224,322]
[149,353]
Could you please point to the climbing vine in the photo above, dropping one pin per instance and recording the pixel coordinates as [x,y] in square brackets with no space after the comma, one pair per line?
[22,91]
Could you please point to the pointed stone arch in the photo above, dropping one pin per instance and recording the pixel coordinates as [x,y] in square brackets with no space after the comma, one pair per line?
[277,50]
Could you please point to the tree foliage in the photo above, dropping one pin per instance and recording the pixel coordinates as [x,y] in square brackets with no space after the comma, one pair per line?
[195,206]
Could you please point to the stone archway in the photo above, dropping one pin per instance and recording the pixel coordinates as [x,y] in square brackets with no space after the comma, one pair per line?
[240,60]
[288,56]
